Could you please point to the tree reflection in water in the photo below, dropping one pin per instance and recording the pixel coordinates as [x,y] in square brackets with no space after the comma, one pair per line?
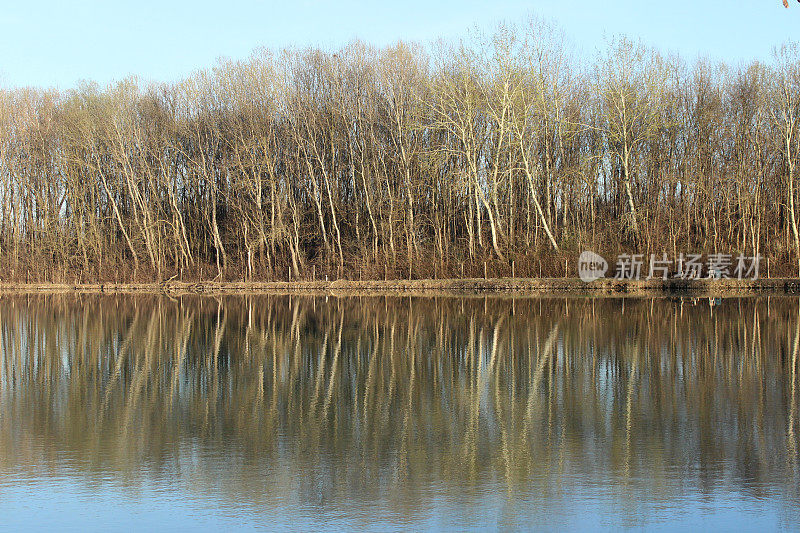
[399,403]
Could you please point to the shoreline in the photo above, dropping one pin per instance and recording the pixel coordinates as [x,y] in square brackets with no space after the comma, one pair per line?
[430,287]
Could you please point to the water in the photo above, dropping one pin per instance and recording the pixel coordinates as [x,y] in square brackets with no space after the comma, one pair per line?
[395,413]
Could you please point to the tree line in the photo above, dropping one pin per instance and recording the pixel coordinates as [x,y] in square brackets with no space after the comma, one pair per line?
[492,154]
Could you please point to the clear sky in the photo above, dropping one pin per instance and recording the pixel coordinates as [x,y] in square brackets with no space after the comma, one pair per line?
[58,42]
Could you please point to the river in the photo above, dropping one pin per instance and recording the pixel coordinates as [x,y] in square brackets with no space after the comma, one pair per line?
[315,413]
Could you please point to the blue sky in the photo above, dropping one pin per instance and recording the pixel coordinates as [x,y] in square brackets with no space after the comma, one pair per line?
[59,43]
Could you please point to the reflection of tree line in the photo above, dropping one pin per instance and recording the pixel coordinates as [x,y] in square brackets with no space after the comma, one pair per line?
[395,390]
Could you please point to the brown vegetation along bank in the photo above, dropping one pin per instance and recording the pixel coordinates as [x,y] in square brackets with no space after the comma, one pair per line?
[500,286]
[498,155]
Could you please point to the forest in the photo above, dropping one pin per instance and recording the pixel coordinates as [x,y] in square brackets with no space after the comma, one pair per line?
[502,152]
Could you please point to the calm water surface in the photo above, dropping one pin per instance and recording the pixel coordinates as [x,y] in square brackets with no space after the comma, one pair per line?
[374,413]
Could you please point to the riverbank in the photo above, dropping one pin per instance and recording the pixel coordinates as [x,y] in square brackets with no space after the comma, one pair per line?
[515,286]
